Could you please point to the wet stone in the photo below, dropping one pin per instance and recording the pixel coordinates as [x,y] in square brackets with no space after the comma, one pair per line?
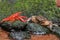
[37,29]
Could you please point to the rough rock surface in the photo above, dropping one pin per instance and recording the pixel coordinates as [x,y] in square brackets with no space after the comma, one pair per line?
[4,35]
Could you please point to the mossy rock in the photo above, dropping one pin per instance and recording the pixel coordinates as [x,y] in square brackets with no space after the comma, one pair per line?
[36,28]
[56,29]
[20,35]
[17,25]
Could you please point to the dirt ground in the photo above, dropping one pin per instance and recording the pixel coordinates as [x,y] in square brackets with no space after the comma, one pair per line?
[3,35]
[44,37]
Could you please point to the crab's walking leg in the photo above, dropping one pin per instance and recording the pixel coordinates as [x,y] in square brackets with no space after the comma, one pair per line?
[5,19]
[21,19]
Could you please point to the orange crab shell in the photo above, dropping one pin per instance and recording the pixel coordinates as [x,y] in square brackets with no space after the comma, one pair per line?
[22,18]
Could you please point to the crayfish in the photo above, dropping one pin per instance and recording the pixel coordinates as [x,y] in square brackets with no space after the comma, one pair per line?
[14,17]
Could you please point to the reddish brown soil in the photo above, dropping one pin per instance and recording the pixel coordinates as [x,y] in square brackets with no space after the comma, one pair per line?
[3,35]
[44,37]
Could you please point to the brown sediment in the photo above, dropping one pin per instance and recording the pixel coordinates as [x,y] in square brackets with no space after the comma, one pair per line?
[44,37]
[4,35]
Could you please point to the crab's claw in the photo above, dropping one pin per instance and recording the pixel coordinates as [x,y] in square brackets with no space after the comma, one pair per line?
[21,19]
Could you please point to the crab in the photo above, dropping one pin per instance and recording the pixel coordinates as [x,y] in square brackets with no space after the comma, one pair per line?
[40,20]
[14,17]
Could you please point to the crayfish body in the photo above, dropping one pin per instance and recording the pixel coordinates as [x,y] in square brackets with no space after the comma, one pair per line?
[14,17]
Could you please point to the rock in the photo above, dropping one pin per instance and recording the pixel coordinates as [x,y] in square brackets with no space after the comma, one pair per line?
[56,21]
[20,35]
[55,29]
[37,29]
[17,26]
[6,26]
